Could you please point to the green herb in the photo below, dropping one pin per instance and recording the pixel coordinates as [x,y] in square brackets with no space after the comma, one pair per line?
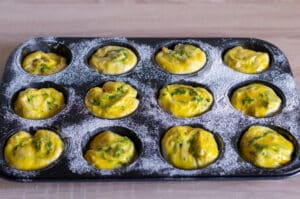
[192,92]
[37,143]
[247,100]
[120,92]
[197,99]
[178,91]
[112,97]
[119,55]
[120,89]
[180,53]
[276,148]
[250,142]
[265,103]
[125,139]
[18,146]
[103,155]
[259,147]
[194,146]
[119,151]
[30,98]
[49,147]
[264,99]
[183,52]
[44,67]
[45,95]
[96,102]
[174,54]
[56,106]
[107,149]
[51,106]
[178,144]
[263,95]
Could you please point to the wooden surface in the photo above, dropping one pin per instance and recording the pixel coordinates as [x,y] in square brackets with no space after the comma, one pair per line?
[273,20]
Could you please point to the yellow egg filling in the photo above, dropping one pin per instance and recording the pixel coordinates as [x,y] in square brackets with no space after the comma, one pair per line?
[113,100]
[41,63]
[26,152]
[265,148]
[113,60]
[186,147]
[246,60]
[38,104]
[184,100]
[109,150]
[256,100]
[184,59]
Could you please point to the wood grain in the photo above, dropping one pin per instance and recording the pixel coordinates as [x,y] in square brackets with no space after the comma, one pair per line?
[273,20]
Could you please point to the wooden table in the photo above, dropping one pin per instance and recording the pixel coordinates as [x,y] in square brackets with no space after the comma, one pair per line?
[273,20]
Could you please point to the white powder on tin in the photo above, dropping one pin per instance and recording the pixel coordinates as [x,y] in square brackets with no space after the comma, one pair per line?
[150,121]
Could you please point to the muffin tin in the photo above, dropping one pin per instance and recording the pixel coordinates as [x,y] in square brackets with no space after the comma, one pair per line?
[146,126]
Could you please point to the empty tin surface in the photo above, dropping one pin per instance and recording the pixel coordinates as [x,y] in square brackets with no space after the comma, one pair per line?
[76,125]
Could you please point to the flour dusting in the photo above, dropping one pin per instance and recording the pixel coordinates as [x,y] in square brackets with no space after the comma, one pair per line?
[77,125]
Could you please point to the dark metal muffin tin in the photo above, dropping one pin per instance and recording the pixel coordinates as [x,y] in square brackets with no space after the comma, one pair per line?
[146,126]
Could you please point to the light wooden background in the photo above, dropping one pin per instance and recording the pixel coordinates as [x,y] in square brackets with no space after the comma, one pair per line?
[273,20]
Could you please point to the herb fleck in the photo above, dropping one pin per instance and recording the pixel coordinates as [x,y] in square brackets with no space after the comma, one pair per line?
[197,99]
[247,100]
[96,102]
[265,103]
[178,91]
[45,95]
[18,146]
[112,97]
[44,67]
[251,141]
[120,89]
[30,98]
[180,53]
[49,147]
[192,92]
[119,55]
[52,106]
[119,151]
[37,143]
